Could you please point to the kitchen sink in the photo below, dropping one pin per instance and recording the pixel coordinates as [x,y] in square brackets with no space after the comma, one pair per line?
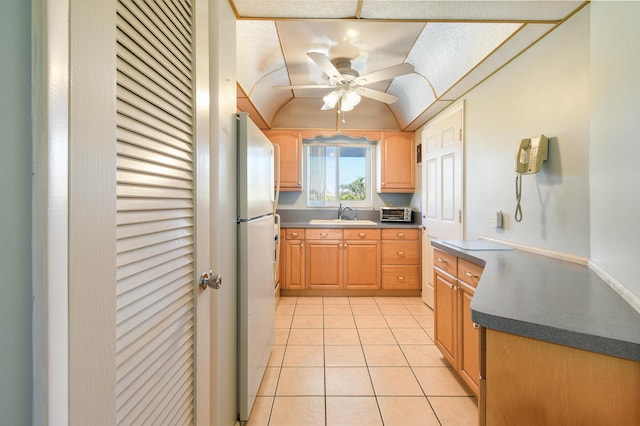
[342,222]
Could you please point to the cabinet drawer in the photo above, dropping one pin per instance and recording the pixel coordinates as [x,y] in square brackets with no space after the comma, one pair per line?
[445,261]
[361,234]
[396,277]
[400,253]
[469,272]
[294,234]
[400,234]
[323,234]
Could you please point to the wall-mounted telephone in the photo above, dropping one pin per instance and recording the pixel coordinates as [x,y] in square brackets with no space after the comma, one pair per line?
[530,155]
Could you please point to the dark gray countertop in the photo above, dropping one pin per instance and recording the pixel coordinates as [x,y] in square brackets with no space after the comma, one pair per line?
[382,225]
[551,300]
[299,218]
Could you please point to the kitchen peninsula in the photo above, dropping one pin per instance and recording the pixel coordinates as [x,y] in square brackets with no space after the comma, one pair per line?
[558,346]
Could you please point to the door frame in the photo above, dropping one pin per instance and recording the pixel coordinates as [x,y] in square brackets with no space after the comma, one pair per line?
[50,211]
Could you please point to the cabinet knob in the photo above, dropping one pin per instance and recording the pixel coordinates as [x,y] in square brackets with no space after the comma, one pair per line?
[476,326]
[400,278]
[400,253]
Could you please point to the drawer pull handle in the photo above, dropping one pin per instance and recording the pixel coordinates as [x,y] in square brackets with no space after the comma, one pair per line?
[470,275]
[362,235]
[323,235]
[476,326]
[442,260]
[294,234]
[400,234]
[400,278]
[400,253]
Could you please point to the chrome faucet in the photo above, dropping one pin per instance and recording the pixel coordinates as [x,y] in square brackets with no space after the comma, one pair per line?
[343,210]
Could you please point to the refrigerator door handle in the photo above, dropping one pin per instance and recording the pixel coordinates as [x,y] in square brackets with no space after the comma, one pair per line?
[277,177]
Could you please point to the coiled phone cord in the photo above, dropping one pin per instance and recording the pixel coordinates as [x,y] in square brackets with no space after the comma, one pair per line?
[518,215]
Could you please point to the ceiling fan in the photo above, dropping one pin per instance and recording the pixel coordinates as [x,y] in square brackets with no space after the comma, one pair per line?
[348,84]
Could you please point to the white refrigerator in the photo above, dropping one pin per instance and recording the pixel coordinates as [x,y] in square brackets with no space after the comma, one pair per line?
[256,247]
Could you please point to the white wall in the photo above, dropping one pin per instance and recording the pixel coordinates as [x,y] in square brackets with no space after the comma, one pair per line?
[615,140]
[545,90]
[579,86]
[16,376]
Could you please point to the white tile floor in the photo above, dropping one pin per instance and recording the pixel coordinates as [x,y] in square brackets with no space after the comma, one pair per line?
[359,361]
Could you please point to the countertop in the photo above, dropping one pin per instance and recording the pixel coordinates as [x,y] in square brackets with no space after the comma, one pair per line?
[299,218]
[381,225]
[552,300]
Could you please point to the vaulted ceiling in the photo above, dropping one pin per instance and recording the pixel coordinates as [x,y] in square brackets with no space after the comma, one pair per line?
[452,45]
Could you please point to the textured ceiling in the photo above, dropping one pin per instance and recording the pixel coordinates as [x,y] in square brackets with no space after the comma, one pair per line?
[453,46]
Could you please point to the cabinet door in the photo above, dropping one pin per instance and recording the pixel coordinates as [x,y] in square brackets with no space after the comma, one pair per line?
[294,264]
[445,316]
[469,340]
[324,264]
[361,265]
[290,158]
[396,171]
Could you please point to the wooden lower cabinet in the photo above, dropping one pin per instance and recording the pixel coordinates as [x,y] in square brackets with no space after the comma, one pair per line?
[445,323]
[361,259]
[343,259]
[351,259]
[531,382]
[400,259]
[456,335]
[469,340]
[324,264]
[294,259]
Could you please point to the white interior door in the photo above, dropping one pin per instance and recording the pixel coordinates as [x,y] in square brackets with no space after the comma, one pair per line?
[124,347]
[442,174]
[159,253]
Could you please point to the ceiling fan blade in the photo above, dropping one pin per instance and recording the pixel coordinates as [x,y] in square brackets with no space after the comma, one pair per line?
[325,65]
[376,95]
[384,74]
[306,86]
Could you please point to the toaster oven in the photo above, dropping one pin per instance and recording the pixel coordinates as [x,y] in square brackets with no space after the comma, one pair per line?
[395,214]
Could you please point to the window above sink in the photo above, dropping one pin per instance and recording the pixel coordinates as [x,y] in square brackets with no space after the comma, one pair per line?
[339,169]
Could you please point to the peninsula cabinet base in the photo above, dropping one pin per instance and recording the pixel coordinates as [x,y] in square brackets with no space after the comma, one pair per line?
[530,382]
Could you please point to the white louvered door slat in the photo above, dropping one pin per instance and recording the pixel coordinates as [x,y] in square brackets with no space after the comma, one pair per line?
[155,213]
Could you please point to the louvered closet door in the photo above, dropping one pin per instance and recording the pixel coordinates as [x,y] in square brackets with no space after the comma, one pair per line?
[155,213]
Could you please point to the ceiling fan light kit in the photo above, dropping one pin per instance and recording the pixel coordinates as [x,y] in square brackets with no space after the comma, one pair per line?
[348,84]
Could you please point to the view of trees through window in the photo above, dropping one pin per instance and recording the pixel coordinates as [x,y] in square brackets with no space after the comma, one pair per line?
[337,173]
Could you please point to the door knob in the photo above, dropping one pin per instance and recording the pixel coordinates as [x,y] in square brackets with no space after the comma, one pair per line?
[209,279]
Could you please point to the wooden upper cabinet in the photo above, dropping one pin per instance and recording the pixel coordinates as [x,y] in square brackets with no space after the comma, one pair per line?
[290,143]
[396,162]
